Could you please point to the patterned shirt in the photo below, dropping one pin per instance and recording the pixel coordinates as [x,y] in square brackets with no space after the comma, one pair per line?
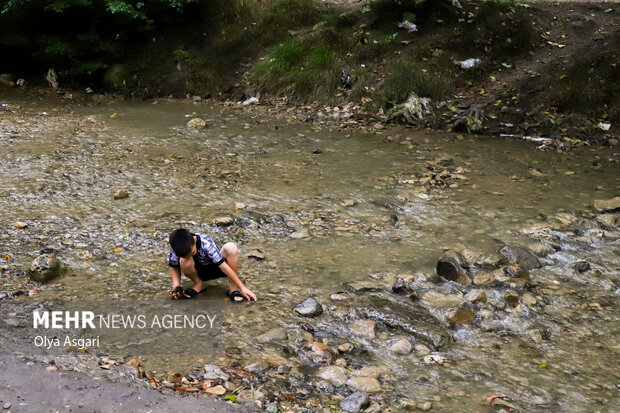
[207,253]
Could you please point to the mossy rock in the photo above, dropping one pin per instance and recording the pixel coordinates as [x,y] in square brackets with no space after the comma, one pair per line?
[46,267]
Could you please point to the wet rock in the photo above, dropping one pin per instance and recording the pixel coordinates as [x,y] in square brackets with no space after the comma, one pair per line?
[517,254]
[121,194]
[309,308]
[580,266]
[298,337]
[7,405]
[355,402]
[213,372]
[366,384]
[402,346]
[405,316]
[21,225]
[339,296]
[511,297]
[451,268]
[484,278]
[196,123]
[476,296]
[343,348]
[364,328]
[316,353]
[46,267]
[516,271]
[421,349]
[611,220]
[258,367]
[541,249]
[249,395]
[333,374]
[366,372]
[256,254]
[272,407]
[528,299]
[223,221]
[489,261]
[607,205]
[424,406]
[350,202]
[3,295]
[461,315]
[274,334]
[302,233]
[436,299]
[366,286]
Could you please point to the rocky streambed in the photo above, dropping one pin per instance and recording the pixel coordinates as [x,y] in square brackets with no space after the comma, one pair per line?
[394,269]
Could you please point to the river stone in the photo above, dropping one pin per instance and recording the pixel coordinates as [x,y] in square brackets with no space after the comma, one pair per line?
[436,299]
[528,299]
[516,254]
[367,384]
[365,328]
[344,347]
[309,308]
[402,346]
[249,395]
[256,254]
[405,316]
[451,268]
[46,267]
[298,336]
[196,123]
[7,405]
[274,334]
[316,353]
[258,367]
[302,233]
[355,402]
[541,249]
[460,316]
[213,372]
[484,278]
[333,374]
[581,266]
[476,296]
[421,349]
[511,297]
[121,194]
[366,372]
[607,205]
[223,221]
[611,220]
[366,286]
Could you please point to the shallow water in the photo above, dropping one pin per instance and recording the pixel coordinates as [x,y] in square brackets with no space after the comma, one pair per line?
[61,180]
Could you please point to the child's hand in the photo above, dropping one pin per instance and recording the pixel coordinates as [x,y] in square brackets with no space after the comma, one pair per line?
[176,293]
[248,294]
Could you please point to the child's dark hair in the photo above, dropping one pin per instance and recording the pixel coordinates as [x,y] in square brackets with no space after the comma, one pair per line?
[181,241]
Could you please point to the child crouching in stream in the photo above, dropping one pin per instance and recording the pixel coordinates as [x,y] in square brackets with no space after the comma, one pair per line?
[197,256]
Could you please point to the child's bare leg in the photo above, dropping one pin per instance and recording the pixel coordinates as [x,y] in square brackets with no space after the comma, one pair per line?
[187,266]
[231,253]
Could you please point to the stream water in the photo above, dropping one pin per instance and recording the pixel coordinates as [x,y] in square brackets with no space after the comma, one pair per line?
[367,216]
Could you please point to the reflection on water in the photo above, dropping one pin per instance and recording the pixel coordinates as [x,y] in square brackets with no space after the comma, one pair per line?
[358,197]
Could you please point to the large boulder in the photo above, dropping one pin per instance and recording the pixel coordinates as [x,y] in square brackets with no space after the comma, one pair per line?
[604,205]
[451,267]
[404,316]
[517,254]
[46,267]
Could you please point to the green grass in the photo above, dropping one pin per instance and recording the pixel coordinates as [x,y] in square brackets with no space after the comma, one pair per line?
[406,77]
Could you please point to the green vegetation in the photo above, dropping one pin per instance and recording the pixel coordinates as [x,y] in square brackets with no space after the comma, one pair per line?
[592,87]
[407,77]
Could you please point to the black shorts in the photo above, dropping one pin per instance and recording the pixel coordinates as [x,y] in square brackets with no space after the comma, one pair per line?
[209,272]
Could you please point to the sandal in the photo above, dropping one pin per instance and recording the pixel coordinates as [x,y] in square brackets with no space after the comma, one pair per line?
[191,293]
[234,295]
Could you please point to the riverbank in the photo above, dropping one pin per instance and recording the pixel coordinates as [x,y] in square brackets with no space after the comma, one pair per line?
[541,70]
